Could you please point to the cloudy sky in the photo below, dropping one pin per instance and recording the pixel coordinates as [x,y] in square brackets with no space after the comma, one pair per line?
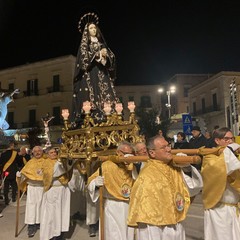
[152,41]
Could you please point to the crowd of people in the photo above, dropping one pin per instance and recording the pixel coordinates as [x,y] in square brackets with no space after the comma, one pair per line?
[137,188]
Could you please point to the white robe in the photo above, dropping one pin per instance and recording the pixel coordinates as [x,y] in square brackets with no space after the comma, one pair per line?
[176,231]
[78,198]
[55,211]
[223,222]
[115,216]
[33,203]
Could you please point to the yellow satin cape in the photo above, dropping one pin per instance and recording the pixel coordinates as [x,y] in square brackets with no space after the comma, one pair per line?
[155,194]
[42,170]
[115,177]
[47,169]
[215,178]
[33,171]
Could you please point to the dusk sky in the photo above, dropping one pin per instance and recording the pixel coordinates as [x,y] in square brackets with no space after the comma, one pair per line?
[152,41]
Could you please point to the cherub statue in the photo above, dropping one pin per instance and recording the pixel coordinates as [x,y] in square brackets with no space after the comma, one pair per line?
[5,99]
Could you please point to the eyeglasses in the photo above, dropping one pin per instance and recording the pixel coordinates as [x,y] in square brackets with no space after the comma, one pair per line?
[125,152]
[227,138]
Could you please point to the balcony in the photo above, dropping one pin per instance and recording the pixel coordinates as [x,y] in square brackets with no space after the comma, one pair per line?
[207,110]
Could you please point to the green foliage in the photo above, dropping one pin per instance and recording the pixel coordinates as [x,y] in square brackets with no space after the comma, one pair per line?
[148,124]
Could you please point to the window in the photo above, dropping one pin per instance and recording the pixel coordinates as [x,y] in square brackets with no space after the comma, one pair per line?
[10,119]
[32,87]
[131,98]
[228,117]
[56,83]
[214,98]
[11,86]
[194,108]
[146,102]
[57,117]
[185,91]
[203,105]
[32,118]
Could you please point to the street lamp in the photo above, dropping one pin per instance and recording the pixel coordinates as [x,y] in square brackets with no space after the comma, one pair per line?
[172,89]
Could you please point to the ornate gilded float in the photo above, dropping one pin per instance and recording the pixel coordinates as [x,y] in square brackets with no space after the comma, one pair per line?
[98,139]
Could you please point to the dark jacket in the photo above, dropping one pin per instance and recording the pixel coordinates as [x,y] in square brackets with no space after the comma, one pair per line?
[198,142]
[181,145]
[13,168]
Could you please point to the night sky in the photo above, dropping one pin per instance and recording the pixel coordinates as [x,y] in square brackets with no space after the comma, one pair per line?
[152,41]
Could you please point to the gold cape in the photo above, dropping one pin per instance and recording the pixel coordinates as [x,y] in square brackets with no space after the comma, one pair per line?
[159,196]
[215,178]
[117,178]
[47,169]
[41,170]
[33,171]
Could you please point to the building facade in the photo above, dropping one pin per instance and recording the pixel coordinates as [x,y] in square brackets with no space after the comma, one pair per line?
[216,101]
[46,87]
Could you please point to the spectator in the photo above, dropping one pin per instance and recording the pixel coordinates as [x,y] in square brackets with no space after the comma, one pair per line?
[181,142]
[198,140]
[210,141]
[25,157]
[10,162]
[160,132]
[140,150]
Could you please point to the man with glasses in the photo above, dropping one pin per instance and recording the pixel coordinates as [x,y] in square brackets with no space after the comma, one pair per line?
[221,188]
[117,179]
[160,197]
[140,150]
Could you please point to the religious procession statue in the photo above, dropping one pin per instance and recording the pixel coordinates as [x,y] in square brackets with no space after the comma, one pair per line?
[46,121]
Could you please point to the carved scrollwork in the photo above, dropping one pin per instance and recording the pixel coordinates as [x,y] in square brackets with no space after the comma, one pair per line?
[92,140]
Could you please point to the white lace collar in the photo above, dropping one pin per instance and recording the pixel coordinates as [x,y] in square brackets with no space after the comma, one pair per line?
[94,39]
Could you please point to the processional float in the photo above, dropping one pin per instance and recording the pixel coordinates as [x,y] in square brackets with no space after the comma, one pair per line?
[92,140]
[98,141]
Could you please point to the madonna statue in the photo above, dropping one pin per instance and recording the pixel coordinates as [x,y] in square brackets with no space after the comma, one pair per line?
[95,71]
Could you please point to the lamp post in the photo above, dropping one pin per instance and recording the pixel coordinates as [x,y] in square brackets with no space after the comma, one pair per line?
[171,90]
